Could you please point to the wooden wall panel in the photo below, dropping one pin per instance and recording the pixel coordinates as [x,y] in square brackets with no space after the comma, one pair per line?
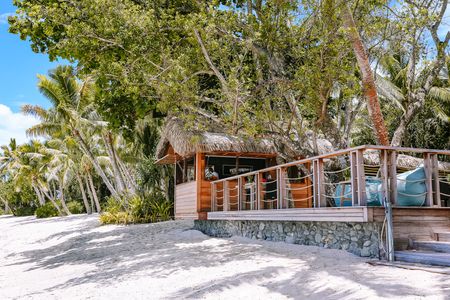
[415,223]
[186,200]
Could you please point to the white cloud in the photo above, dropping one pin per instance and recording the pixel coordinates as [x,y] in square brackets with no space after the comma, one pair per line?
[13,125]
[4,17]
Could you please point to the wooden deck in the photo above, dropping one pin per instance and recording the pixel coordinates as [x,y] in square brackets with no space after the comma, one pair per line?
[329,214]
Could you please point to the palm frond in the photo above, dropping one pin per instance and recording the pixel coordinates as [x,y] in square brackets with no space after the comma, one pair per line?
[389,91]
[440,94]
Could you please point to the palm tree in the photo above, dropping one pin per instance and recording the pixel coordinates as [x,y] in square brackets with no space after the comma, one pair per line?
[392,86]
[72,106]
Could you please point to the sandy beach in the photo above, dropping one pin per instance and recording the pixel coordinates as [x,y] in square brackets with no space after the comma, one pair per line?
[76,258]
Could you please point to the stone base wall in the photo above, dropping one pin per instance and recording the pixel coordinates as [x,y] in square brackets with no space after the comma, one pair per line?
[361,239]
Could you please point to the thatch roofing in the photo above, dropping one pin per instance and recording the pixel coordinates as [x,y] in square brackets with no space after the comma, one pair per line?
[187,142]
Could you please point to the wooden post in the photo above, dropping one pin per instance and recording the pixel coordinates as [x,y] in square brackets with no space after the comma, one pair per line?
[322,200]
[239,193]
[384,174]
[280,189]
[362,197]
[393,176]
[437,188]
[213,196]
[226,196]
[315,183]
[428,179]
[354,179]
[258,191]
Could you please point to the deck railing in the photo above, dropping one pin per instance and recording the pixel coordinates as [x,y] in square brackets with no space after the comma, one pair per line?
[359,176]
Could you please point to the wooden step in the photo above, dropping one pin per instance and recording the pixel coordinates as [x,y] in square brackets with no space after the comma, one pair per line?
[443,247]
[426,258]
[442,236]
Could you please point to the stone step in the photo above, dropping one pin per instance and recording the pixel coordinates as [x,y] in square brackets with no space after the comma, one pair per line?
[442,236]
[432,246]
[426,258]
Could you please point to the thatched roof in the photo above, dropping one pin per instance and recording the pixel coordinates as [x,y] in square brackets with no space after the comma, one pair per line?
[187,142]
[371,157]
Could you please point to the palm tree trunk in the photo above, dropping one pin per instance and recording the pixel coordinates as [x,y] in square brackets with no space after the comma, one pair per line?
[52,200]
[63,202]
[369,89]
[85,148]
[108,141]
[83,194]
[7,209]
[94,193]
[130,182]
[86,182]
[39,195]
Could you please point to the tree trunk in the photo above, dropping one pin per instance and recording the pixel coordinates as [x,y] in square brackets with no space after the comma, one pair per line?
[94,193]
[52,200]
[91,196]
[39,195]
[7,209]
[107,140]
[95,163]
[129,180]
[83,194]
[63,202]
[368,82]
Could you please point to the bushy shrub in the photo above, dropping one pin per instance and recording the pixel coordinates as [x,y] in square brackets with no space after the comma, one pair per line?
[136,210]
[75,207]
[161,210]
[46,211]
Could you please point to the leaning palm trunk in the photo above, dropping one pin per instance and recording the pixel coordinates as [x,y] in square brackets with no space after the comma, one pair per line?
[85,148]
[368,82]
[39,195]
[7,209]
[94,193]
[91,196]
[129,180]
[120,184]
[52,200]
[83,194]
[63,202]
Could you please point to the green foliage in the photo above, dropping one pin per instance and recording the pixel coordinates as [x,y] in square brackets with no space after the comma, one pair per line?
[22,211]
[75,207]
[46,211]
[136,210]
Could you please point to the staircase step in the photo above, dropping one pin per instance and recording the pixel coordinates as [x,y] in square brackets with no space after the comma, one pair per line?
[442,236]
[432,246]
[426,258]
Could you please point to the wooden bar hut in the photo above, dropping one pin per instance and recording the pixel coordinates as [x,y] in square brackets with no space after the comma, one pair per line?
[202,156]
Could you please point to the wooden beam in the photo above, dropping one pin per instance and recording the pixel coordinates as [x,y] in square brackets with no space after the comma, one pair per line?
[428,179]
[362,197]
[226,196]
[384,174]
[437,188]
[393,176]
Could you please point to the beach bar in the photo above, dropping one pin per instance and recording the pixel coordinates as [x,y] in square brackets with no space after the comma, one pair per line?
[336,200]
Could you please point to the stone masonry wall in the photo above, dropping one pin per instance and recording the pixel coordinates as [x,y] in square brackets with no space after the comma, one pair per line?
[361,239]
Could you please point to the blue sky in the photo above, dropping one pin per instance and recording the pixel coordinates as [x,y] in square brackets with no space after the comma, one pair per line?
[18,68]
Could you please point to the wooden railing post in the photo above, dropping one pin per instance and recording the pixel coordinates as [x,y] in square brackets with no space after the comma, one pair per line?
[281,183]
[428,179]
[358,180]
[239,193]
[319,188]
[437,188]
[384,175]
[213,196]
[258,191]
[393,176]
[226,196]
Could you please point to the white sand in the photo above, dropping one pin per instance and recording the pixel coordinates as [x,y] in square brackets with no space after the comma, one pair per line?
[75,258]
